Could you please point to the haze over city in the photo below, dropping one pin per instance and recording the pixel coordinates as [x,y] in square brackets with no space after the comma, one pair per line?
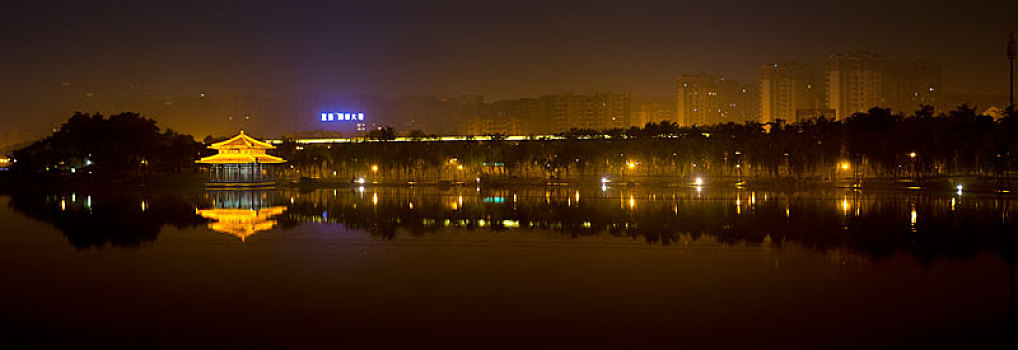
[67,56]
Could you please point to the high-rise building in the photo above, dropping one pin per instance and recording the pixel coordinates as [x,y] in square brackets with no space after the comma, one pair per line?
[854,82]
[653,111]
[594,111]
[508,117]
[910,84]
[706,99]
[613,110]
[859,81]
[785,89]
[553,113]
[741,101]
[697,101]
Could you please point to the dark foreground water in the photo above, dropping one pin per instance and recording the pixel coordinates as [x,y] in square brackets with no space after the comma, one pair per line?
[514,268]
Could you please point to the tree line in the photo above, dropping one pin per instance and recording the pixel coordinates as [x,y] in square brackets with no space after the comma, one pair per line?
[875,143]
[124,143]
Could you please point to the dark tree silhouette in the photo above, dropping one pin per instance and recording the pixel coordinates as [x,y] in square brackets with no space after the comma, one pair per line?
[122,143]
[384,133]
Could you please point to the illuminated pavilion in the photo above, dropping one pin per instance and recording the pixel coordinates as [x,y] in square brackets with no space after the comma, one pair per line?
[240,162]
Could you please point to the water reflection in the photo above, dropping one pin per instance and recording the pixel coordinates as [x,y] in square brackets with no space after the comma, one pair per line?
[102,217]
[842,223]
[832,264]
[241,213]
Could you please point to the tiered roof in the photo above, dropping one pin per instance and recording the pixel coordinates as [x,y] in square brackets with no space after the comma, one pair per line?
[241,149]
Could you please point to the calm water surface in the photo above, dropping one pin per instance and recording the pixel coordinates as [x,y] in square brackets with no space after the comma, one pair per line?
[517,267]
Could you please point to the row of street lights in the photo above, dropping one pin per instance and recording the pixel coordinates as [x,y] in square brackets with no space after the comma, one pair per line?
[631,165]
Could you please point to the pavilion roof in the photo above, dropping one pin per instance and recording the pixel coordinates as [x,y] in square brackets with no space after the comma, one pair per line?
[241,142]
[240,158]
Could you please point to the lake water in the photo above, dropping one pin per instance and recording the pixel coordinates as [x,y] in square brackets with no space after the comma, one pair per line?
[507,268]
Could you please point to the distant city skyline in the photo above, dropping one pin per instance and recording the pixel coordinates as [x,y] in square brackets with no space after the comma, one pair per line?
[74,56]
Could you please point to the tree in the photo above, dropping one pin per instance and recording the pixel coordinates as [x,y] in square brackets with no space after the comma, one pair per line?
[382,133]
[125,142]
[416,135]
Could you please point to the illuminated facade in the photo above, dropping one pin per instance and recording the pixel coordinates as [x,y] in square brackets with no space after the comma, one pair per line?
[508,117]
[910,84]
[859,81]
[653,111]
[549,114]
[854,82]
[785,89]
[240,162]
[592,111]
[706,99]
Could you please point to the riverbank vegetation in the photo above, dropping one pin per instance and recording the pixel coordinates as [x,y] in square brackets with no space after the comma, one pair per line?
[877,143]
[120,145]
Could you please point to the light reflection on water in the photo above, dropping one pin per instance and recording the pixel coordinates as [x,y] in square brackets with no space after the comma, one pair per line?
[872,224]
[582,261]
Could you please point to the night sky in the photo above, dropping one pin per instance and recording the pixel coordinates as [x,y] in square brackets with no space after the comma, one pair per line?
[57,52]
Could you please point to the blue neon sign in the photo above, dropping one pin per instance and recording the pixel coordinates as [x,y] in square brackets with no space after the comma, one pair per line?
[342,117]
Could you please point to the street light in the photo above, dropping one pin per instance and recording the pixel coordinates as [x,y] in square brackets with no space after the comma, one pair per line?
[915,174]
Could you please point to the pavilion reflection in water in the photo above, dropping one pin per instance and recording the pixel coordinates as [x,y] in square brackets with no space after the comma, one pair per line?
[241,213]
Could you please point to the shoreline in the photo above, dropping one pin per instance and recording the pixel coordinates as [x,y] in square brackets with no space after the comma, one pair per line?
[939,184]
[190,181]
